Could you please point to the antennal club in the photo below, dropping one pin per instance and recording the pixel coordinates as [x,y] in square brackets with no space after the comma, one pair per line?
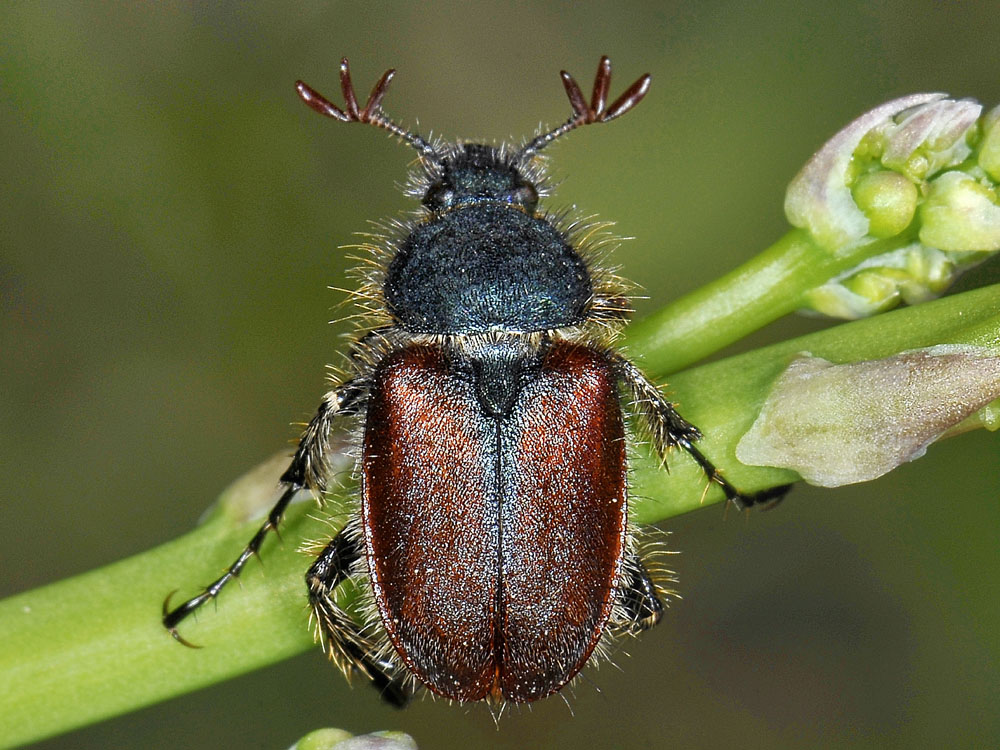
[596,111]
[371,114]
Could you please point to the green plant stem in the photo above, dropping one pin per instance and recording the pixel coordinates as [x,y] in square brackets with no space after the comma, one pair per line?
[765,288]
[91,647]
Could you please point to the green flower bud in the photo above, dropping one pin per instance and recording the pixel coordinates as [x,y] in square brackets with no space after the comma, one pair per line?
[338,739]
[322,739]
[880,286]
[989,149]
[837,301]
[960,214]
[989,416]
[888,200]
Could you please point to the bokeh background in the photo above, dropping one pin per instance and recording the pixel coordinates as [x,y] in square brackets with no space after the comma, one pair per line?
[170,217]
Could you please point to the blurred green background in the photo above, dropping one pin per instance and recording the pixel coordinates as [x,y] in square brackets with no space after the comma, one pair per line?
[170,217]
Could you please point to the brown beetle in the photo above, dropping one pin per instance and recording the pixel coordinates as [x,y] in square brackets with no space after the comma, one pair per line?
[493,524]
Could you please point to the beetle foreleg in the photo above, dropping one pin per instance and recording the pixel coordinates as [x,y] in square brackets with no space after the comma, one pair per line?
[309,469]
[347,647]
[669,430]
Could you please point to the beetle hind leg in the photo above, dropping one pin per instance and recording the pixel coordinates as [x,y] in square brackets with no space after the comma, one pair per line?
[343,640]
[640,604]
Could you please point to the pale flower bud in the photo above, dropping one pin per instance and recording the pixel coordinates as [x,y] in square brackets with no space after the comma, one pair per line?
[841,424]
[338,739]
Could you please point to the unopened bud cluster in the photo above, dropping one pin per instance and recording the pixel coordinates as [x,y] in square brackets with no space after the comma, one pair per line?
[923,171]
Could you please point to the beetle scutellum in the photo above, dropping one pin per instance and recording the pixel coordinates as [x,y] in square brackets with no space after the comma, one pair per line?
[493,522]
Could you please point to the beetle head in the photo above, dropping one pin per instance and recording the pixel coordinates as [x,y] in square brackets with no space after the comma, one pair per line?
[474,172]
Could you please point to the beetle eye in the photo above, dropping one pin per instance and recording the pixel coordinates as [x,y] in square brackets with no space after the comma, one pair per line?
[439,197]
[526,195]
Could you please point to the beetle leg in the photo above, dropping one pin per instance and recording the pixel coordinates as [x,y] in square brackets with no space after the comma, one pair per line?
[343,641]
[670,430]
[308,470]
[641,605]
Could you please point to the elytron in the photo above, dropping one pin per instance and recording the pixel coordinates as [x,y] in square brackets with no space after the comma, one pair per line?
[488,403]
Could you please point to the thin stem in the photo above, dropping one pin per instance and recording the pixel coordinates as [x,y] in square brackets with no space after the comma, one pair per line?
[765,288]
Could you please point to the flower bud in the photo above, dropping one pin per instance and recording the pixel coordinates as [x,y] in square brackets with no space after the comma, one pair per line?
[338,739]
[960,214]
[989,149]
[888,200]
[819,197]
[911,274]
[929,138]
[841,424]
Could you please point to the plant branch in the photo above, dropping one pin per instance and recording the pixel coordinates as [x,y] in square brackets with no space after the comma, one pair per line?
[765,288]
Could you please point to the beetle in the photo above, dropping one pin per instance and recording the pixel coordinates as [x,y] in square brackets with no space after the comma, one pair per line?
[489,404]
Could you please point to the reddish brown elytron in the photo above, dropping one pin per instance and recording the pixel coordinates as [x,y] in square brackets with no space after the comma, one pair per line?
[494,571]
